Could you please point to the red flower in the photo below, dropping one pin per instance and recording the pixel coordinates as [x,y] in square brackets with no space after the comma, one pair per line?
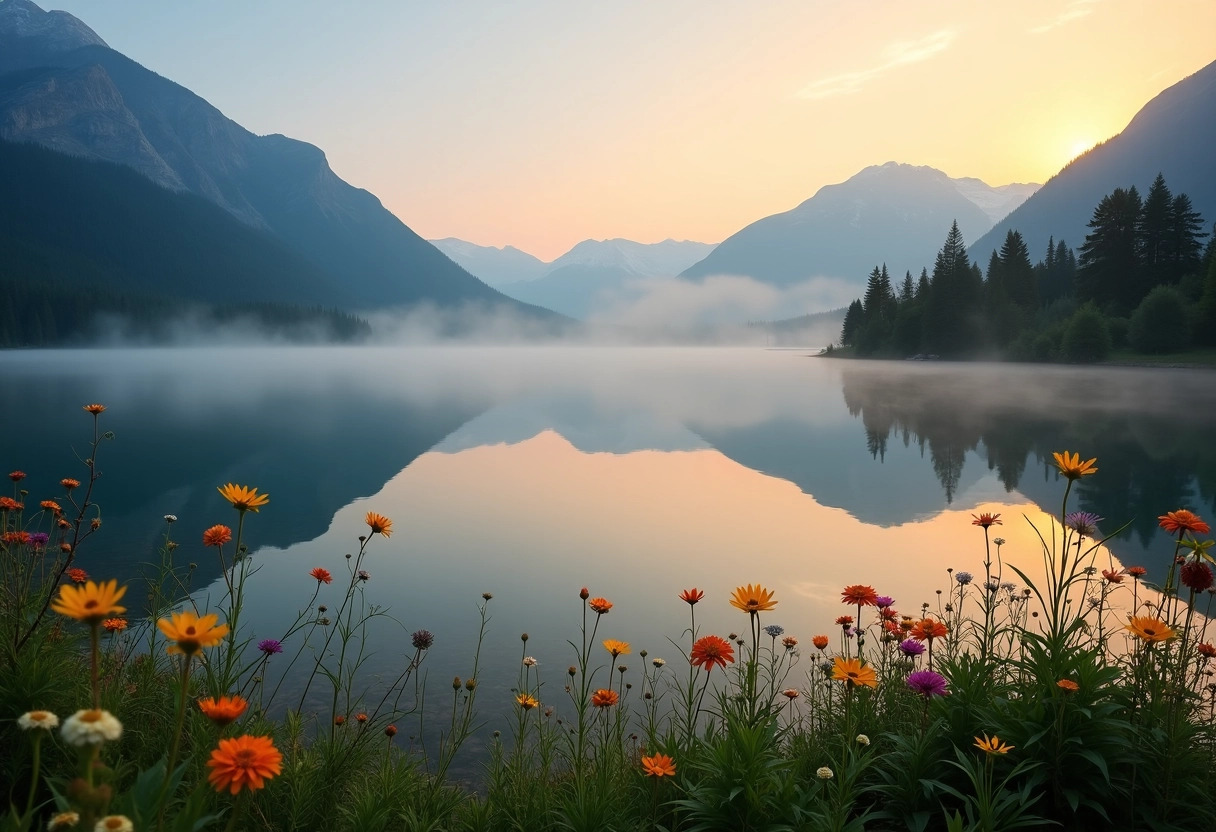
[322,575]
[17,476]
[888,613]
[859,595]
[820,641]
[844,620]
[1196,576]
[985,519]
[1206,649]
[712,650]
[1183,520]
[1113,575]
[692,596]
[1135,571]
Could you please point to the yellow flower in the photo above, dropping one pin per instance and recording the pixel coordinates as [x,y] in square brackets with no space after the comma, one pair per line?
[190,633]
[753,599]
[616,648]
[526,701]
[853,673]
[379,524]
[242,498]
[1071,466]
[992,746]
[1149,629]
[91,603]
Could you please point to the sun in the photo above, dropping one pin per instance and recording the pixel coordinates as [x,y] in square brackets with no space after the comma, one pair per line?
[1080,146]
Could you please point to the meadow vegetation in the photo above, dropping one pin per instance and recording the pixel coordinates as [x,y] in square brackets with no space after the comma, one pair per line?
[1082,698]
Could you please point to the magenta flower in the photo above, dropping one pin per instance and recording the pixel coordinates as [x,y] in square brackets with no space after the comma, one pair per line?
[884,601]
[270,646]
[423,639]
[911,647]
[928,683]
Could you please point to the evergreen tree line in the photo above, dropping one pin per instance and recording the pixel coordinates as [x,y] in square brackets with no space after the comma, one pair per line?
[49,313]
[1142,280]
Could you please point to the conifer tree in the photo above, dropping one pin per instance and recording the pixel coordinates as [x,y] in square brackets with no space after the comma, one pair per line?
[1108,267]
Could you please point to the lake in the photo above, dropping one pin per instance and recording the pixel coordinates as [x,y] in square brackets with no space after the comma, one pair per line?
[529,472]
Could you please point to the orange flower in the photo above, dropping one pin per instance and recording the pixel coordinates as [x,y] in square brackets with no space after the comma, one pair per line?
[114,625]
[1206,649]
[844,620]
[244,762]
[1149,629]
[859,594]
[1113,575]
[712,650]
[1072,467]
[604,698]
[790,642]
[51,505]
[692,596]
[339,720]
[616,648]
[985,519]
[243,498]
[20,537]
[322,575]
[68,483]
[9,504]
[223,711]
[95,408]
[753,599]
[600,605]
[993,746]
[660,765]
[379,524]
[1068,685]
[361,718]
[217,536]
[1136,571]
[191,633]
[16,476]
[527,701]
[1183,520]
[77,575]
[853,673]
[820,641]
[91,603]
[929,628]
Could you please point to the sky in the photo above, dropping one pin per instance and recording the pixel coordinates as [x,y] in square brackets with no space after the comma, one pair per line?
[539,123]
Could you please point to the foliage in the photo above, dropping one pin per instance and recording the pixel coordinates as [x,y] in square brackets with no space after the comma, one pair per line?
[1159,323]
[1087,338]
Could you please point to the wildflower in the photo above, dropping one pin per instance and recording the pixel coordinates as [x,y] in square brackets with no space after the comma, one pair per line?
[364,575]
[243,498]
[362,717]
[1084,523]
[1008,586]
[820,642]
[604,698]
[9,504]
[170,518]
[91,603]
[711,650]
[270,646]
[91,727]
[929,628]
[487,595]
[853,673]
[692,596]
[52,506]
[911,647]
[190,633]
[844,620]
[379,524]
[752,599]
[985,519]
[884,601]
[1150,630]
[1183,520]
[78,575]
[774,630]
[63,820]
[790,693]
[824,773]
[390,731]
[617,648]
[217,536]
[1206,649]
[584,594]
[928,683]
[339,720]
[223,711]
[244,762]
[37,719]
[114,625]
[1068,685]
[68,483]
[95,409]
[19,537]
[991,586]
[38,539]
[659,765]
[859,594]
[16,476]
[1196,575]
[600,605]
[789,642]
[862,739]
[963,578]
[423,639]
[994,745]
[1136,572]
[114,823]
[999,541]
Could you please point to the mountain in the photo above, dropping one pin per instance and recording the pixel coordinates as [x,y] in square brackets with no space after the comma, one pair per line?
[1173,134]
[497,267]
[62,87]
[894,213]
[594,271]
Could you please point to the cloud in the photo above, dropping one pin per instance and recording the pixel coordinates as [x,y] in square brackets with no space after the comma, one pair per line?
[1075,10]
[900,53]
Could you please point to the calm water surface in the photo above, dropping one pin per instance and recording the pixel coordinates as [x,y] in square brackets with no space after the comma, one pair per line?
[530,472]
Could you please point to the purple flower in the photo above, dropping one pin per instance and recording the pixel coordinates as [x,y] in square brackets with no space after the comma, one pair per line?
[1084,523]
[423,639]
[774,630]
[911,647]
[270,646]
[884,601]
[928,683]
[38,539]
[964,578]
[849,631]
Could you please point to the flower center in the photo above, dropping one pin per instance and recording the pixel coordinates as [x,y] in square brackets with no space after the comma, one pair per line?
[90,604]
[90,716]
[244,757]
[190,631]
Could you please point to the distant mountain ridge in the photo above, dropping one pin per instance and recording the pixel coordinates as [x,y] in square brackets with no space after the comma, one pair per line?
[62,87]
[1173,134]
[894,213]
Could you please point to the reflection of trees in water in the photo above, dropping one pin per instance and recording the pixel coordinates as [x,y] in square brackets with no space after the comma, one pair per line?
[1151,461]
